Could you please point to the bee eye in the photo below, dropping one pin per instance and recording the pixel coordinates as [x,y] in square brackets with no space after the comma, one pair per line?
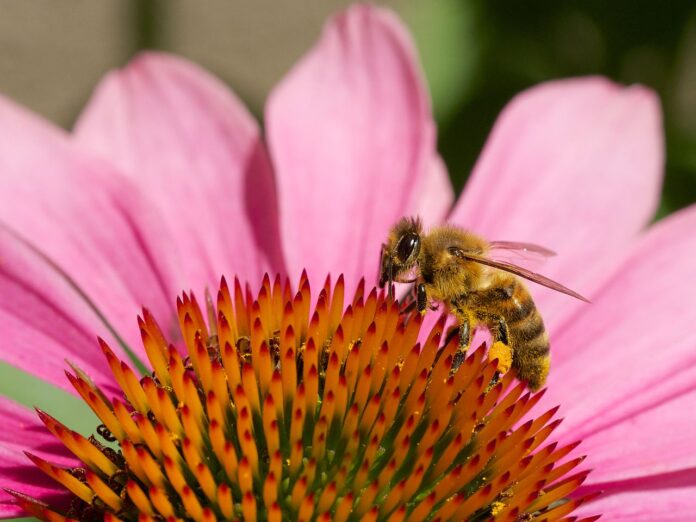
[408,247]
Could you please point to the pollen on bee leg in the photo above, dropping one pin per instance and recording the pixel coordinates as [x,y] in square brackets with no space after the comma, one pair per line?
[503,353]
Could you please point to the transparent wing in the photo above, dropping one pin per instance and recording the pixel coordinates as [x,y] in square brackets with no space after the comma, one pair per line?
[530,248]
[525,255]
[518,271]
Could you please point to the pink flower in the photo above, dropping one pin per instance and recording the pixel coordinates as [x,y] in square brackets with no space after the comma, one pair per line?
[166,183]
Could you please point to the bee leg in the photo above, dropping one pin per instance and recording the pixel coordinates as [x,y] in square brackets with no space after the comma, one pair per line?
[421,298]
[502,334]
[464,330]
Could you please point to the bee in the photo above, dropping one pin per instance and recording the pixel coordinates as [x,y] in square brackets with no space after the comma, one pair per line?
[456,267]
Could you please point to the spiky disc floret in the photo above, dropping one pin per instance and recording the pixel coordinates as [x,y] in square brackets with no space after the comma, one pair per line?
[275,409]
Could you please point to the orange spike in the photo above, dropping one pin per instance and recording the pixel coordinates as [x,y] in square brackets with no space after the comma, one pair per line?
[312,391]
[275,514]
[191,504]
[214,408]
[408,370]
[148,433]
[394,497]
[203,364]
[226,312]
[344,508]
[114,364]
[288,366]
[423,509]
[151,468]
[206,480]
[298,492]
[270,425]
[131,457]
[411,331]
[248,449]
[265,365]
[368,347]
[244,475]
[276,392]
[270,490]
[224,501]
[104,492]
[327,498]
[176,371]
[328,405]
[369,309]
[319,438]
[276,464]
[230,362]
[240,309]
[164,437]
[351,368]
[258,335]
[126,422]
[173,471]
[103,410]
[139,498]
[379,368]
[277,301]
[347,325]
[416,395]
[296,454]
[391,405]
[398,515]
[336,308]
[155,349]
[307,508]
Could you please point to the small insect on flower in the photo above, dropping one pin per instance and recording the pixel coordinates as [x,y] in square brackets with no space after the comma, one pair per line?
[459,269]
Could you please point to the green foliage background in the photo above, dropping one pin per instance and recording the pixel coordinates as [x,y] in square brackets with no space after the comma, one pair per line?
[478,54]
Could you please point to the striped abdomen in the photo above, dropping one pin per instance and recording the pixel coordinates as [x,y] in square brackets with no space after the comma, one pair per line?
[508,310]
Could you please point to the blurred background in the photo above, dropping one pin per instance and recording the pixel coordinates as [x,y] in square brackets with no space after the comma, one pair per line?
[476,53]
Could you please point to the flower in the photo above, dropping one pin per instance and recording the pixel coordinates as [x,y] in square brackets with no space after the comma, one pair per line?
[166,184]
[273,415]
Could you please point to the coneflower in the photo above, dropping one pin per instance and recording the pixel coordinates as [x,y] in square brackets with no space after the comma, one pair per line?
[281,407]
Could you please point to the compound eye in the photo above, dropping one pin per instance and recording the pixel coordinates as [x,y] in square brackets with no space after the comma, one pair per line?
[408,247]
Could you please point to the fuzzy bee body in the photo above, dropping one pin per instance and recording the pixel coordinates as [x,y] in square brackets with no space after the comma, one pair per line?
[455,267]
[509,313]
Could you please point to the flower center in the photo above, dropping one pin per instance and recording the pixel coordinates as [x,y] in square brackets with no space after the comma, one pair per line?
[282,408]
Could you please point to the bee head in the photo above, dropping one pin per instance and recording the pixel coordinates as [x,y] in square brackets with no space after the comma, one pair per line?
[400,252]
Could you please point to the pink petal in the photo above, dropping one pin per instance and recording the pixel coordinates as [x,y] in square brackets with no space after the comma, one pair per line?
[187,142]
[630,356]
[669,498]
[352,139]
[574,165]
[658,440]
[81,215]
[437,196]
[43,320]
[23,431]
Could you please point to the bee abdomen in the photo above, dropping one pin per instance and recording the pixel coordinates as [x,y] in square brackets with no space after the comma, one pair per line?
[529,330]
[528,336]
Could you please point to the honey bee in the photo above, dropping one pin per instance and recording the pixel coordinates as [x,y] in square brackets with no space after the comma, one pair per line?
[455,267]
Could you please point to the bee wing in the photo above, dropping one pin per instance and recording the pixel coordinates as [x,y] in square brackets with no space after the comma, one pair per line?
[522,247]
[525,255]
[518,271]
